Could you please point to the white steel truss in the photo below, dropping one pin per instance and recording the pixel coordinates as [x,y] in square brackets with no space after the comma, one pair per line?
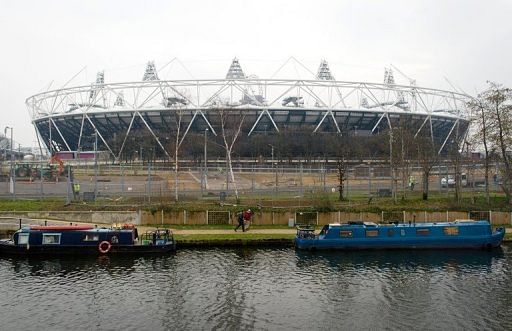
[316,99]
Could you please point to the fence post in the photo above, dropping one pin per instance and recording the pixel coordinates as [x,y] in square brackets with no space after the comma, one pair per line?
[122,180]
[41,183]
[382,216]
[370,180]
[68,185]
[149,182]
[490,216]
[301,187]
[447,217]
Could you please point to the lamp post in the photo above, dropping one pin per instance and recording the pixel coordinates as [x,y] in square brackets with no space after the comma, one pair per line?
[95,165]
[205,158]
[12,160]
[273,166]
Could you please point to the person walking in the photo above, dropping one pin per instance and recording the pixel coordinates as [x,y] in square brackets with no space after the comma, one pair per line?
[244,216]
[247,218]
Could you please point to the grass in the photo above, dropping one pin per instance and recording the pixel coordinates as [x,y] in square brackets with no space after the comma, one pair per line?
[244,236]
[216,227]
[320,201]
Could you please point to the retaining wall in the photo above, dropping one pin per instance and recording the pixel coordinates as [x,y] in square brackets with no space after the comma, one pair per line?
[283,217]
[260,218]
[107,217]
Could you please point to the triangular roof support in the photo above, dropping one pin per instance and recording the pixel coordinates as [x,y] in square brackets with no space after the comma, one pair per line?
[264,111]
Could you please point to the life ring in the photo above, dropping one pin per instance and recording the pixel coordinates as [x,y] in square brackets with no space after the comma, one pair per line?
[104,247]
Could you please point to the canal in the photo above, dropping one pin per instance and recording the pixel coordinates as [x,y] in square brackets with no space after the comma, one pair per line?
[261,289]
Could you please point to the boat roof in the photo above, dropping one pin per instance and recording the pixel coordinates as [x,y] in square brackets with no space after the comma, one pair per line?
[417,224]
[69,228]
[61,227]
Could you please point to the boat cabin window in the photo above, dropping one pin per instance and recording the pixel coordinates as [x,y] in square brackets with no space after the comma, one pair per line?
[391,232]
[372,233]
[346,234]
[51,238]
[324,230]
[422,232]
[91,237]
[451,231]
[23,238]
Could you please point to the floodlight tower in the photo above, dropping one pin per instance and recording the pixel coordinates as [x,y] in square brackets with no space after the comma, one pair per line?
[412,84]
[235,70]
[324,72]
[150,73]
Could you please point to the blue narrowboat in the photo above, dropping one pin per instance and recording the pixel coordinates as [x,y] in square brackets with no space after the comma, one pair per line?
[86,239]
[367,235]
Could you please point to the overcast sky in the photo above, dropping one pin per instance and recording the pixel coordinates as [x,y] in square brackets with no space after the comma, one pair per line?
[469,42]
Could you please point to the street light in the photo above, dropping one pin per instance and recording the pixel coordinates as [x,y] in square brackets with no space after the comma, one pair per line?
[273,167]
[12,158]
[205,157]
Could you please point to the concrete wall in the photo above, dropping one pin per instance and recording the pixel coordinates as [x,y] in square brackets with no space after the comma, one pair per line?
[107,217]
[259,218]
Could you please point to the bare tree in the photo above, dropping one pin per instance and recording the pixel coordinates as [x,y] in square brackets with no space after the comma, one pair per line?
[177,139]
[427,157]
[402,137]
[479,107]
[231,123]
[341,165]
[497,99]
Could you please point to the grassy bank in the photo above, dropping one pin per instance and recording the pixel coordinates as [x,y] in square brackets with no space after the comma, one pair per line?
[309,202]
[245,236]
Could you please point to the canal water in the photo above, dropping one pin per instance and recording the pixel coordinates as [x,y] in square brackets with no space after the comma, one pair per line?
[261,289]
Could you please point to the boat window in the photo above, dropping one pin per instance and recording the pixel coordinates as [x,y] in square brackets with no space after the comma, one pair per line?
[402,232]
[91,237]
[372,233]
[391,233]
[451,231]
[23,238]
[422,232]
[346,234]
[51,238]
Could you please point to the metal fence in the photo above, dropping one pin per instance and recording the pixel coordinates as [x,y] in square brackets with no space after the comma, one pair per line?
[156,181]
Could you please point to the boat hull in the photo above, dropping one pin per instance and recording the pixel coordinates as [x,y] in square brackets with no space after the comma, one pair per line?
[10,249]
[483,242]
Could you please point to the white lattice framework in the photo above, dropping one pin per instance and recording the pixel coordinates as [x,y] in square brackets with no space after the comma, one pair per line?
[266,98]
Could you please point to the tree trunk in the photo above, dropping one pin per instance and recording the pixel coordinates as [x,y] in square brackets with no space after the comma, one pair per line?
[425,185]
[232,175]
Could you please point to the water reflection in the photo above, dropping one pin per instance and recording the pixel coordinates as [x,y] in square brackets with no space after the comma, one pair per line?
[62,266]
[260,289]
[426,259]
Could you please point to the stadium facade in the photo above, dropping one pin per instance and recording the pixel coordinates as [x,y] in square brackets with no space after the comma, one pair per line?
[167,110]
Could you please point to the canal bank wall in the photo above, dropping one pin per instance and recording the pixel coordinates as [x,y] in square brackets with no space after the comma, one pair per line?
[106,217]
[290,218]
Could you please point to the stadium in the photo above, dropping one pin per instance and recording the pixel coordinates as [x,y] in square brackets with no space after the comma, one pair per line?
[243,112]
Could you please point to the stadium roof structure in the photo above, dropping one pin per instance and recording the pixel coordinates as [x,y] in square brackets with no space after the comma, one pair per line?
[63,118]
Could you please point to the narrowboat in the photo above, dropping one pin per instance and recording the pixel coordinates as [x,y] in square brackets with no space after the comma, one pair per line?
[86,239]
[368,235]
